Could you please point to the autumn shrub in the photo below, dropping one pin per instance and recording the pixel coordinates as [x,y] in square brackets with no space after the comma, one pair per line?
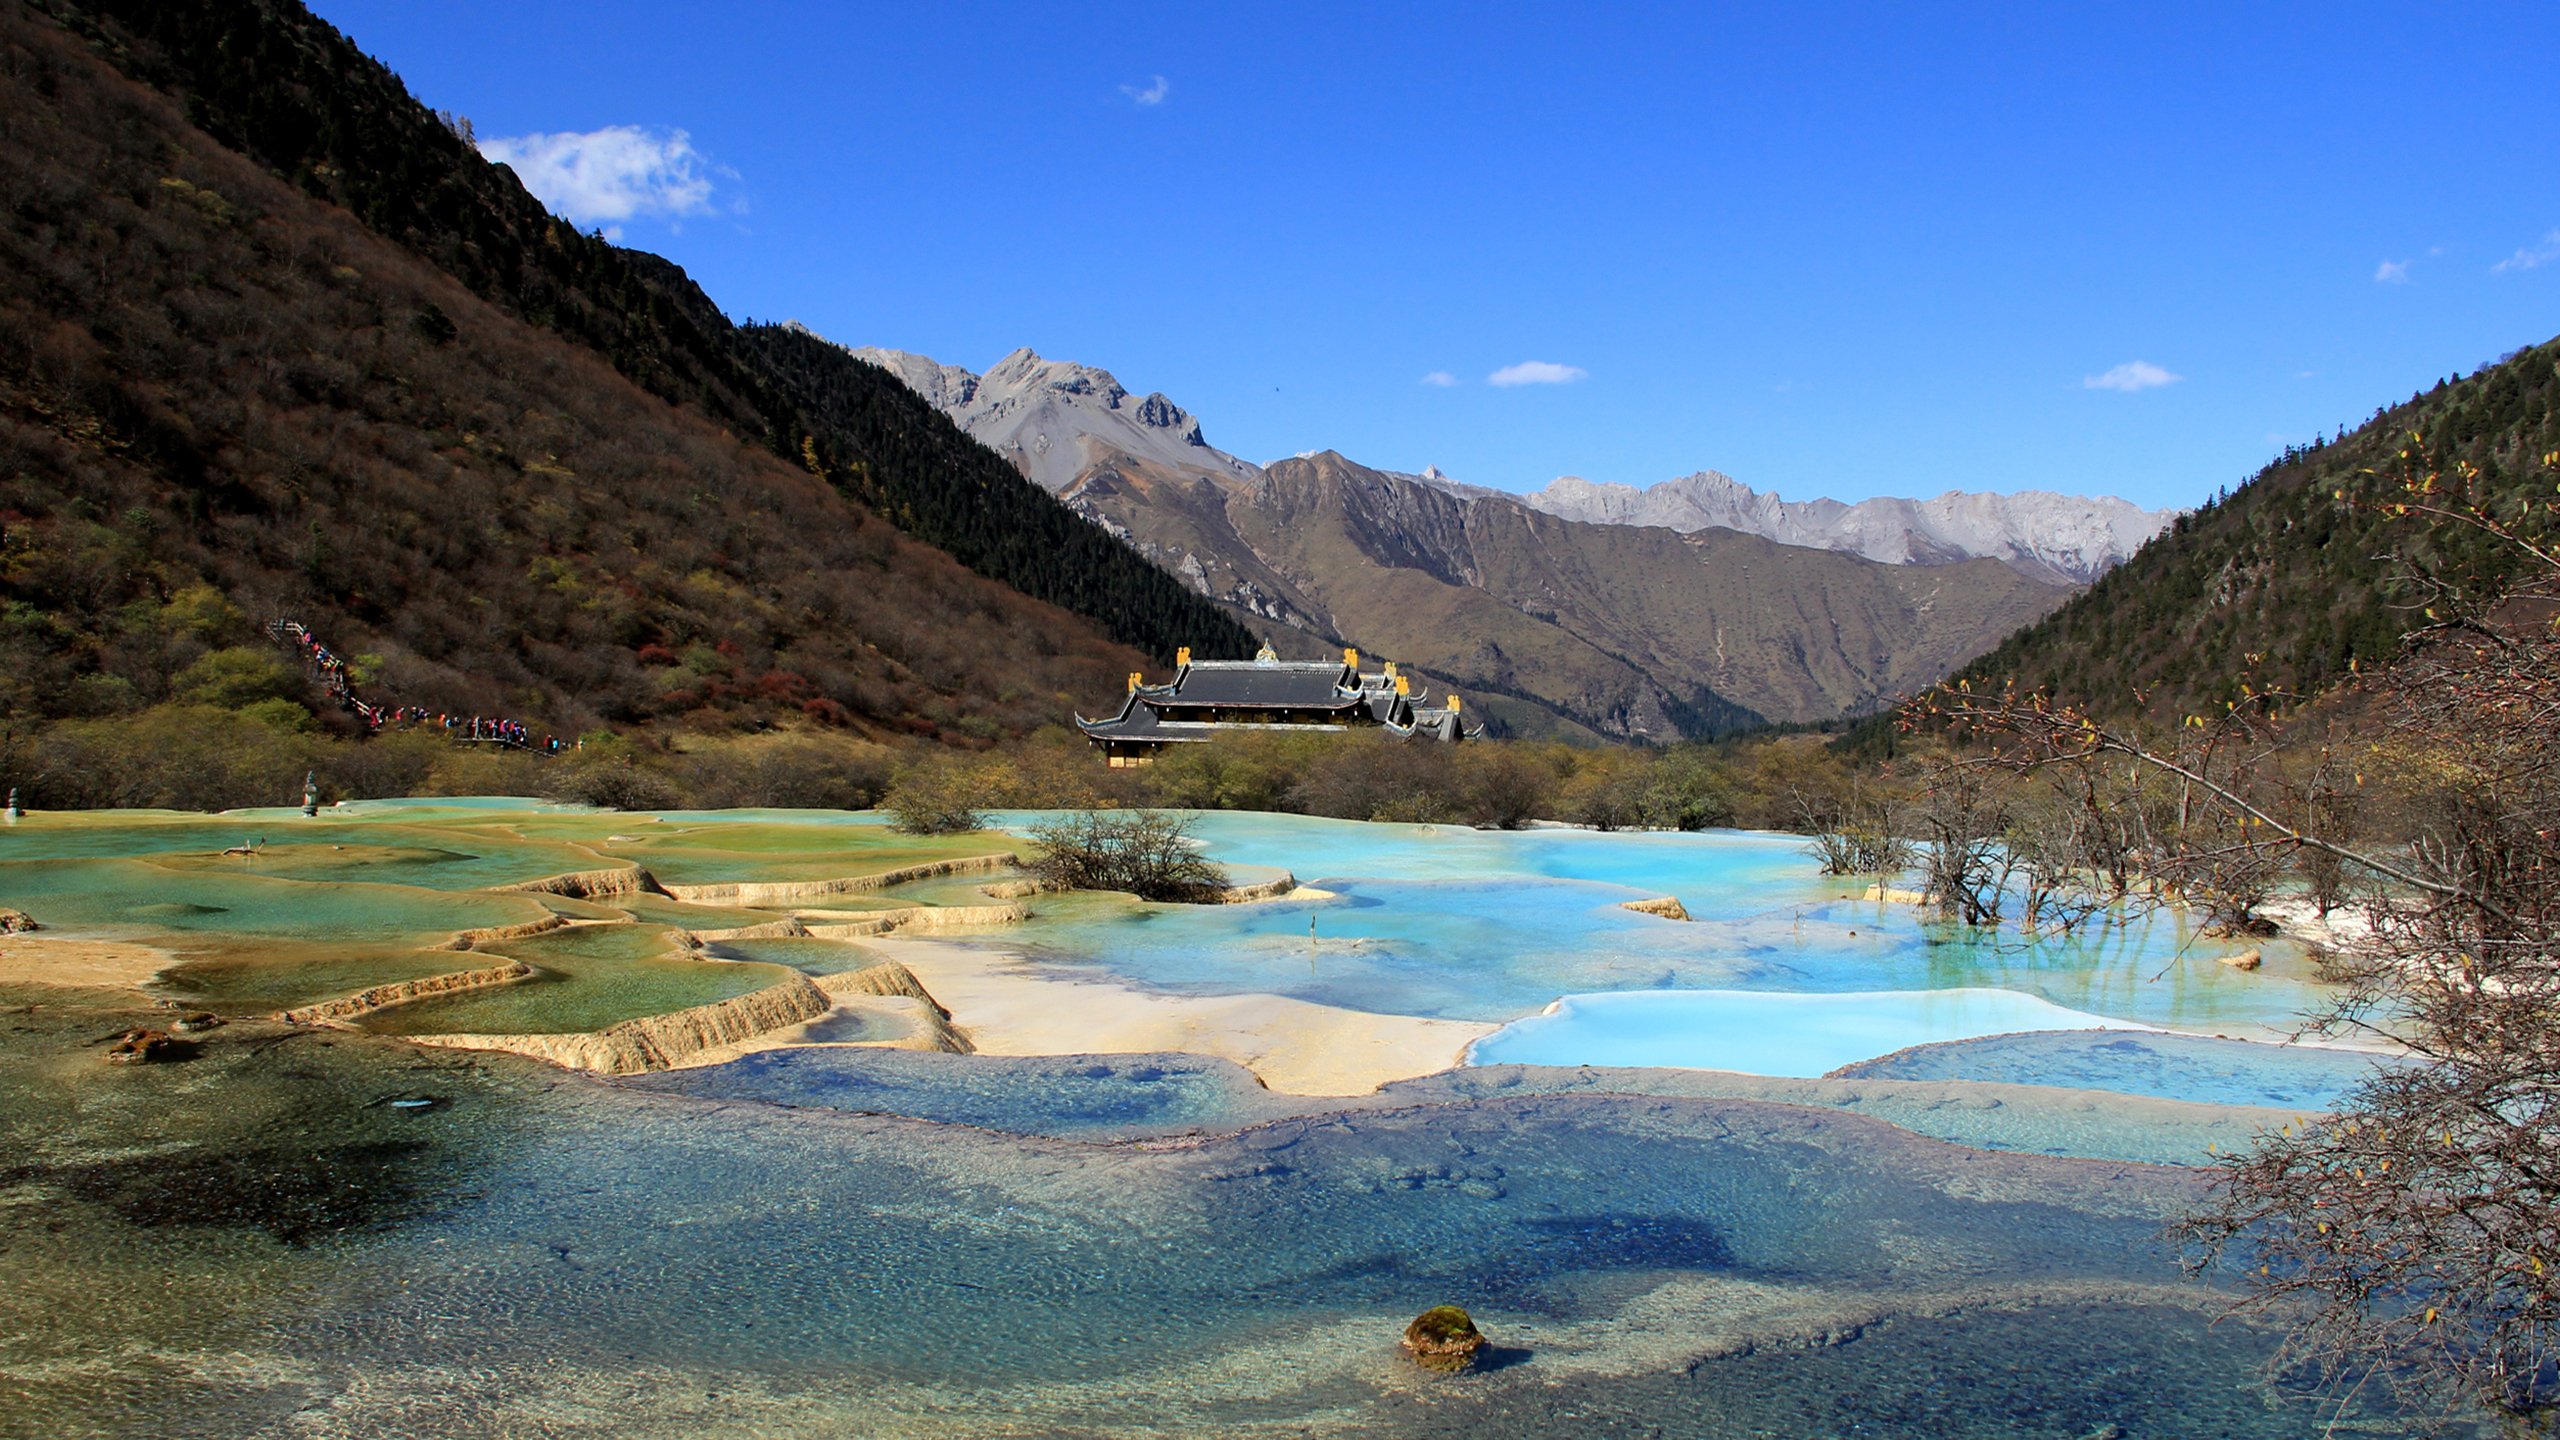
[940,795]
[788,772]
[1243,771]
[484,770]
[1375,776]
[389,765]
[239,676]
[176,757]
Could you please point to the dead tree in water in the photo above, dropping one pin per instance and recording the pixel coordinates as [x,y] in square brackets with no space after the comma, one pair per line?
[1857,831]
[1962,819]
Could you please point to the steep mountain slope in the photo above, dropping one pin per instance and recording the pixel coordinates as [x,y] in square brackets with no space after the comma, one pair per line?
[1639,632]
[266,78]
[222,399]
[2304,573]
[1613,630]
[1139,469]
[2067,539]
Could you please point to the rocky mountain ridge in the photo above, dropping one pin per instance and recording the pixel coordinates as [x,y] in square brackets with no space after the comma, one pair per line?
[1055,420]
[2067,538]
[1058,421]
[1555,625]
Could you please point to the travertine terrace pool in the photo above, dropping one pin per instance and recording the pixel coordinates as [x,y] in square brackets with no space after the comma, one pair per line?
[1944,1218]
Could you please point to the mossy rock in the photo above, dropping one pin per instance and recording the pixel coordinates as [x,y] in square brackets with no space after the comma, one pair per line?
[1443,1337]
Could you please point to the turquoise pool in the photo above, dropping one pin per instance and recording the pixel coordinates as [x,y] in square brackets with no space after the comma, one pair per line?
[1780,970]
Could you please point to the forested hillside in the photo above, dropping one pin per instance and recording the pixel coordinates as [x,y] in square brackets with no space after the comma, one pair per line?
[222,400]
[2305,572]
[275,83]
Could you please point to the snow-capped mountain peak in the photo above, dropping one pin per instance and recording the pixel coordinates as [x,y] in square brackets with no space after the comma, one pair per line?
[2065,537]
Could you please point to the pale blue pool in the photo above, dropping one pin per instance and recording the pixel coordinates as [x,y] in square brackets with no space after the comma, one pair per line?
[1764,1034]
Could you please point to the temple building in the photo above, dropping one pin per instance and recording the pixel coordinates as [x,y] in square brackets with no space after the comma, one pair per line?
[1207,697]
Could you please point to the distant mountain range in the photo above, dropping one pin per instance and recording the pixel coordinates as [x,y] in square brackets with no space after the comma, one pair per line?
[1606,624]
[1055,419]
[2066,538]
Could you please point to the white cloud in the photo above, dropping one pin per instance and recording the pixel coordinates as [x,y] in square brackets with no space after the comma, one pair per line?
[1441,378]
[2391,272]
[621,172]
[1537,372]
[2130,376]
[1151,95]
[2532,256]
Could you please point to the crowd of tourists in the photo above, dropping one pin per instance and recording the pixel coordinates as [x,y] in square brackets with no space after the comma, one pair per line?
[330,669]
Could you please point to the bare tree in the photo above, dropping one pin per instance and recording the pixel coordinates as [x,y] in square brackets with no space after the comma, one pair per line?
[1962,820]
[2054,842]
[2413,1237]
[1855,830]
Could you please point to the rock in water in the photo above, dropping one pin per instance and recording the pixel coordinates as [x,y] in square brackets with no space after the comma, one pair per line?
[1443,1338]
[148,1047]
[2245,960]
[17,922]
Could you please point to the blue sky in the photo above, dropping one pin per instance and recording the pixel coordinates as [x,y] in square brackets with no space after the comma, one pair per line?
[1829,250]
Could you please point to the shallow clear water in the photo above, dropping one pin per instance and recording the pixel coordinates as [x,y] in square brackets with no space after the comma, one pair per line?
[1523,929]
[809,956]
[463,849]
[140,896]
[2173,1067]
[1423,920]
[1070,1097]
[536,1256]
[585,978]
[1728,872]
[1132,1097]
[767,845]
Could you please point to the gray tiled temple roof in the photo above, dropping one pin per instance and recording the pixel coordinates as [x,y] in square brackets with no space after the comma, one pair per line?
[1137,722]
[1439,725]
[1237,684]
[1165,713]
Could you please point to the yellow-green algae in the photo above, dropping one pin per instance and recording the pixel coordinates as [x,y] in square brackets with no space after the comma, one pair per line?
[731,852]
[585,978]
[264,911]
